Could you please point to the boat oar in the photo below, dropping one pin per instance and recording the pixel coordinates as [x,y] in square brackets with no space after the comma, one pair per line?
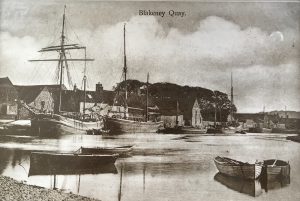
[274,163]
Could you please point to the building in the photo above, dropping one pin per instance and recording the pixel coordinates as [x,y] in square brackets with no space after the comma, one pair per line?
[197,120]
[170,113]
[40,98]
[8,99]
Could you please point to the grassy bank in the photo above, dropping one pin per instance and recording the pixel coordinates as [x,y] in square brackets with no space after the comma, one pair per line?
[13,190]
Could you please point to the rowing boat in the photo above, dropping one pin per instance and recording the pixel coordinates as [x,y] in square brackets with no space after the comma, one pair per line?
[121,150]
[236,168]
[276,169]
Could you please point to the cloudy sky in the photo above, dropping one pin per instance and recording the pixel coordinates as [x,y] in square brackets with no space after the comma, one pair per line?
[258,42]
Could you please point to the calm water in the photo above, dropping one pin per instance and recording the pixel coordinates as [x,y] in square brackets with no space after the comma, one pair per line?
[162,167]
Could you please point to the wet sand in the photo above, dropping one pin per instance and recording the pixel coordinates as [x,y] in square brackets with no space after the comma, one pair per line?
[11,189]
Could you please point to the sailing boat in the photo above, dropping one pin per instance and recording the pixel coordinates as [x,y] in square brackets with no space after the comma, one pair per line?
[61,122]
[127,124]
[232,128]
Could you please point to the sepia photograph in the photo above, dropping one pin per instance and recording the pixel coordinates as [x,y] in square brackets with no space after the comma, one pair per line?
[149,100]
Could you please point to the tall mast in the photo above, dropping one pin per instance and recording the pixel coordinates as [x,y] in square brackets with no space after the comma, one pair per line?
[125,71]
[84,82]
[231,99]
[61,57]
[177,111]
[147,100]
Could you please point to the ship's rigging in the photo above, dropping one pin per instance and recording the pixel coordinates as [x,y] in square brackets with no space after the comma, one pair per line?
[63,49]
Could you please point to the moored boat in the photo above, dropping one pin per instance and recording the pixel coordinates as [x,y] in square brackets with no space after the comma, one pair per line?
[121,150]
[118,124]
[55,125]
[192,130]
[236,168]
[49,124]
[259,130]
[275,169]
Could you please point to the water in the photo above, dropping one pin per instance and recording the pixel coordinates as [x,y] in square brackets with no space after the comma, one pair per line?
[162,167]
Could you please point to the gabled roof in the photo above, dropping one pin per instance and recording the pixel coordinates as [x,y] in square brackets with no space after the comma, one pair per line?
[5,81]
[28,93]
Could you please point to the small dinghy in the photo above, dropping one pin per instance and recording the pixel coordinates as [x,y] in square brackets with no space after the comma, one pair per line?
[239,169]
[121,150]
[275,169]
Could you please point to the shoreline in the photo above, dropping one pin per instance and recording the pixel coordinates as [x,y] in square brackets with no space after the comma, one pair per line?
[12,189]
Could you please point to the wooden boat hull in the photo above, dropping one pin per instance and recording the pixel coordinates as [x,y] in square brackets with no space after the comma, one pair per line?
[276,169]
[122,151]
[260,130]
[118,126]
[57,125]
[249,187]
[190,130]
[63,162]
[245,171]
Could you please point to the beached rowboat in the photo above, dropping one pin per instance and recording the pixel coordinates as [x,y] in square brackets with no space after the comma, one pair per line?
[236,168]
[276,169]
[121,150]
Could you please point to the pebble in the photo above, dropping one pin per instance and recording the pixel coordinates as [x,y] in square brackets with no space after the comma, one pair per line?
[12,190]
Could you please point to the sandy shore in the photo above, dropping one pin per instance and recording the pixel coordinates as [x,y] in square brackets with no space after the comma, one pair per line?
[13,190]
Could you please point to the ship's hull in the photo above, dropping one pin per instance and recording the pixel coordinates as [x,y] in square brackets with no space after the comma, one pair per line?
[260,130]
[191,130]
[119,126]
[57,125]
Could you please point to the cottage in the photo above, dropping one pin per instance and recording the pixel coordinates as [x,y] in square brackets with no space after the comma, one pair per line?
[38,97]
[8,99]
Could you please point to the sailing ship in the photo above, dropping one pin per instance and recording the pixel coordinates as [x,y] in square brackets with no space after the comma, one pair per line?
[63,122]
[126,124]
[232,127]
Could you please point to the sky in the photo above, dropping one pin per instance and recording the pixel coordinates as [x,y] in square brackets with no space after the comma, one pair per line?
[257,41]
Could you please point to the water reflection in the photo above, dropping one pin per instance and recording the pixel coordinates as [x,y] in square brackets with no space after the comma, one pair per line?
[251,187]
[159,169]
[38,169]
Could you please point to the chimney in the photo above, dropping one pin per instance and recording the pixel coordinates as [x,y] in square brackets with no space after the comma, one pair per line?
[99,91]
[75,88]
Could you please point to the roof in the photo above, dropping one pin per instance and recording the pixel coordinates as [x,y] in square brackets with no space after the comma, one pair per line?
[5,81]
[28,93]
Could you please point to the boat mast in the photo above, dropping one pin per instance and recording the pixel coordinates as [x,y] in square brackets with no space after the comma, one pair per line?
[84,82]
[147,99]
[177,111]
[231,100]
[125,74]
[62,54]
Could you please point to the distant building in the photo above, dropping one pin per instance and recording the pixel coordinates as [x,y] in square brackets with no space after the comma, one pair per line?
[8,99]
[170,113]
[38,97]
[197,120]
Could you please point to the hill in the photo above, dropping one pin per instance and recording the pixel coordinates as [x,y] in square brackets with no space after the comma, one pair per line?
[185,95]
